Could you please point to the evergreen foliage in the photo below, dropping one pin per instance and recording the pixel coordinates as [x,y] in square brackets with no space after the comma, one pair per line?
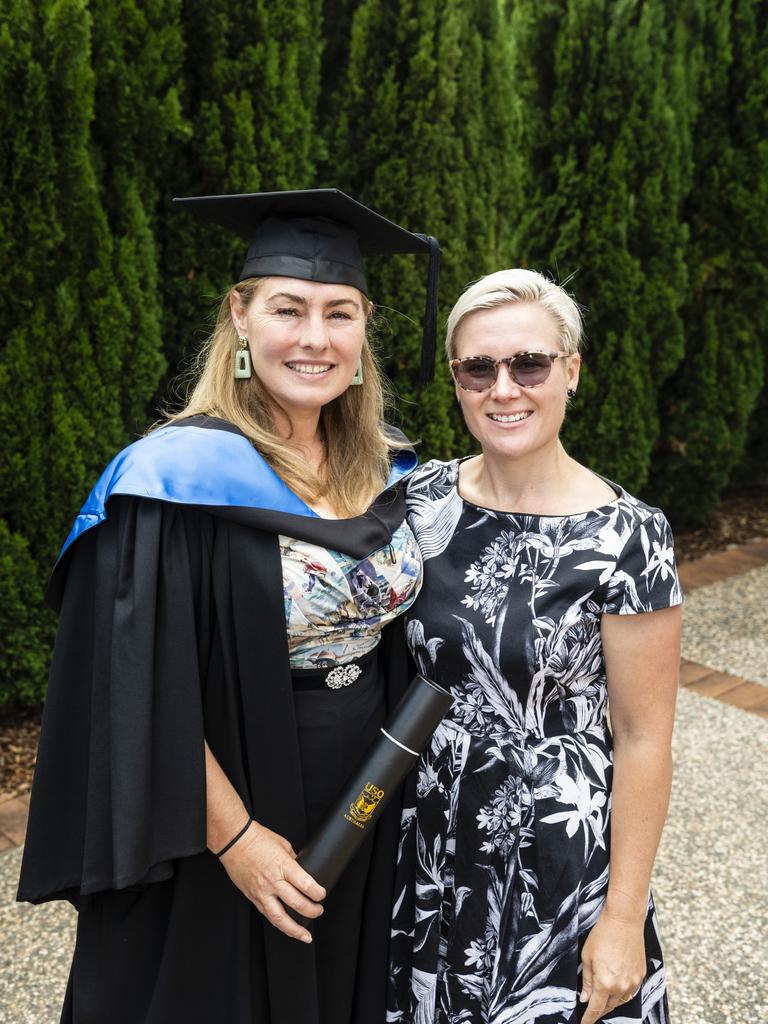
[707,404]
[25,649]
[605,182]
[138,49]
[752,472]
[71,365]
[421,128]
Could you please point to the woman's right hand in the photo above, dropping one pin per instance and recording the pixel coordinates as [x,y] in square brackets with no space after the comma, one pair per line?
[264,868]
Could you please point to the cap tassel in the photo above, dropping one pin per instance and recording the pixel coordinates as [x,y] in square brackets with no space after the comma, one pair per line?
[429,340]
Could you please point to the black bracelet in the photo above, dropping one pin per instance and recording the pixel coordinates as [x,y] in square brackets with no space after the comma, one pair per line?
[239,835]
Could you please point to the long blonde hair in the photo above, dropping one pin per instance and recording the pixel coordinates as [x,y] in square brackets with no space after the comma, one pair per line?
[357,449]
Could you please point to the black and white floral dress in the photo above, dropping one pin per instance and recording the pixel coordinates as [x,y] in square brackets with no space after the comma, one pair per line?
[509,836]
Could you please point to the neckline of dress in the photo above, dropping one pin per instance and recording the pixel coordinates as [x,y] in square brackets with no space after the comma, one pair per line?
[620,493]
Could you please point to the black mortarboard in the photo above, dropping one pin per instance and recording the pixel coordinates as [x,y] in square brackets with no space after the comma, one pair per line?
[320,234]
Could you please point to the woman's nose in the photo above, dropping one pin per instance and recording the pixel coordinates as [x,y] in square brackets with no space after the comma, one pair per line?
[315,332]
[505,385]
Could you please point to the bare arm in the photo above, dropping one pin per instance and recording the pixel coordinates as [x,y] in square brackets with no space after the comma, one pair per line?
[642,658]
[261,864]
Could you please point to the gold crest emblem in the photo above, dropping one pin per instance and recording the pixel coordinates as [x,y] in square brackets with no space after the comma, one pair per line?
[362,809]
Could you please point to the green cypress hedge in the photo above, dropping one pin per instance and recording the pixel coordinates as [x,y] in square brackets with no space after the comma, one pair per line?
[616,143]
[74,360]
[138,49]
[420,127]
[708,403]
[604,186]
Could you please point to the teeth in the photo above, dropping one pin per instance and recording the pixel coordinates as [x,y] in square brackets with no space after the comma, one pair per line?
[310,368]
[509,417]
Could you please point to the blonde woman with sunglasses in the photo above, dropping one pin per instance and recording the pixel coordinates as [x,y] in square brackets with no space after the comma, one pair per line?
[549,593]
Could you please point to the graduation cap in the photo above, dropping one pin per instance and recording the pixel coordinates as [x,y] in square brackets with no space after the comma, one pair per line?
[320,234]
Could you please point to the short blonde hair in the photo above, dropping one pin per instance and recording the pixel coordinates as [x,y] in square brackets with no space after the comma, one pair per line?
[518,285]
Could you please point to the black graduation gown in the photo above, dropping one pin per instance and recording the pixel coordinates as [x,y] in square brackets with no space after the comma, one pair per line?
[172,630]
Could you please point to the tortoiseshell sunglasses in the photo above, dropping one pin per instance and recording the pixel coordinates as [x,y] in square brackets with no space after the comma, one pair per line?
[528,369]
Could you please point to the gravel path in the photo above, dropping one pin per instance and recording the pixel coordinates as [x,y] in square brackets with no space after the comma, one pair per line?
[725,626]
[710,878]
[35,952]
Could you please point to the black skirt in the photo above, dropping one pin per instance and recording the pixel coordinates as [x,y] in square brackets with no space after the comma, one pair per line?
[336,728]
[175,930]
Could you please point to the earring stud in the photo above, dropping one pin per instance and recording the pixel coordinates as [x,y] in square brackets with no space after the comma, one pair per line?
[571,392]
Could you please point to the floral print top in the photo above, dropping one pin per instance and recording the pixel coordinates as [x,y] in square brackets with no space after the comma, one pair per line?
[336,605]
[508,835]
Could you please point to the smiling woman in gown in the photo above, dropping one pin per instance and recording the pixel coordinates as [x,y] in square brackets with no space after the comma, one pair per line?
[230,642]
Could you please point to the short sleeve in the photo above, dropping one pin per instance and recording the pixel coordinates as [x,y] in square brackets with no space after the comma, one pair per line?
[645,578]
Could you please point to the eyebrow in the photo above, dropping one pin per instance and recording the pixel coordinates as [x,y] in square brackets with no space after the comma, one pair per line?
[301,301]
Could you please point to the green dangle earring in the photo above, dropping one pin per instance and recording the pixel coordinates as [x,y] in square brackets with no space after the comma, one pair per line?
[243,366]
[358,378]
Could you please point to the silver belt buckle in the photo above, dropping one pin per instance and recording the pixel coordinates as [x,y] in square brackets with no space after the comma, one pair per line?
[343,675]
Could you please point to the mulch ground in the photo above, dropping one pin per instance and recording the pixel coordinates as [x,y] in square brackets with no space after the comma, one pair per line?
[739,519]
[19,734]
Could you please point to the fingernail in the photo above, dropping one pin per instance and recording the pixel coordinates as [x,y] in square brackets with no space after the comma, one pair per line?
[306,937]
[582,997]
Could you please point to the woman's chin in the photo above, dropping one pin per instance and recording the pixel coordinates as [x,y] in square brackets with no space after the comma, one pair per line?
[299,396]
[510,441]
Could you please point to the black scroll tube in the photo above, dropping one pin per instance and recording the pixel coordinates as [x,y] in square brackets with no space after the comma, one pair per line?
[367,792]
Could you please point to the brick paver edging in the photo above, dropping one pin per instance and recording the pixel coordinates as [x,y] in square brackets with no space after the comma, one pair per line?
[13,821]
[724,565]
[733,690]
[728,689]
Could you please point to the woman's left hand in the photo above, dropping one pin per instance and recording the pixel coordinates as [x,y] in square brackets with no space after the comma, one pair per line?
[613,964]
